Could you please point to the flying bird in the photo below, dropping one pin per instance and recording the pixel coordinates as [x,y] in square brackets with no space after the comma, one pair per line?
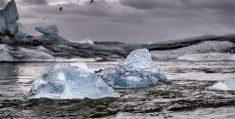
[61,8]
[91,2]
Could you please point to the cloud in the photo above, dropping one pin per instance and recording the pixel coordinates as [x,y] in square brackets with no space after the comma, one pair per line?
[35,2]
[180,4]
[119,21]
[3,3]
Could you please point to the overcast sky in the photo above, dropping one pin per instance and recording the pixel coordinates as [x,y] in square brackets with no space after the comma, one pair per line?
[135,21]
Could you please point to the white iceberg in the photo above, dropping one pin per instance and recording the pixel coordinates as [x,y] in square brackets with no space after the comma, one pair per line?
[204,47]
[136,71]
[226,85]
[87,41]
[70,82]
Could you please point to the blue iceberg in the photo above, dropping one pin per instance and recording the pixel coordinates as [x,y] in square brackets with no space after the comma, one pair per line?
[136,71]
[70,82]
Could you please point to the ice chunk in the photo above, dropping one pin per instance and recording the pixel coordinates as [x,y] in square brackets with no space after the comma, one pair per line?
[204,47]
[5,54]
[87,41]
[70,82]
[136,71]
[22,32]
[30,54]
[11,54]
[48,30]
[12,28]
[226,85]
[83,66]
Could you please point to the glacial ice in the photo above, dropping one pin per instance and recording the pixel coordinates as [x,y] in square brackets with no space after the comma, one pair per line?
[49,31]
[204,47]
[22,32]
[16,54]
[136,71]
[70,82]
[226,85]
[32,55]
[87,41]
[5,54]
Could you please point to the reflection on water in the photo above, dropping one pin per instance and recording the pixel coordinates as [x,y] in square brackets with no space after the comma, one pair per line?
[16,79]
[8,71]
[186,96]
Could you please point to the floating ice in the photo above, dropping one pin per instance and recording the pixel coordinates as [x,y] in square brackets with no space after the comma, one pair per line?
[5,54]
[204,47]
[50,31]
[226,85]
[136,71]
[30,54]
[16,54]
[87,41]
[70,82]
[22,32]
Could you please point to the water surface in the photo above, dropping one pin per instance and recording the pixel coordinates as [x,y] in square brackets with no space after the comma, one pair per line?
[186,97]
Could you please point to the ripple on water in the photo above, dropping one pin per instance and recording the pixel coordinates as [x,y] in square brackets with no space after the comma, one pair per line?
[185,97]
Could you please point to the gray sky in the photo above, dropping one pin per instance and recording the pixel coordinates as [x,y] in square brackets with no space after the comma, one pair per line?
[135,21]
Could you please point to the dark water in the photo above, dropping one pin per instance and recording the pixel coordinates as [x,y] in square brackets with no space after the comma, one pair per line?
[187,96]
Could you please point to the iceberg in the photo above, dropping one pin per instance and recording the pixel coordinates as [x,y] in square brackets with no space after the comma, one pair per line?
[226,85]
[87,41]
[204,47]
[5,53]
[22,32]
[27,54]
[136,71]
[16,54]
[50,31]
[70,82]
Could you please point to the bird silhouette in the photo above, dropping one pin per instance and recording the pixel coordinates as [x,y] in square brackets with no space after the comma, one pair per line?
[91,2]
[61,8]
